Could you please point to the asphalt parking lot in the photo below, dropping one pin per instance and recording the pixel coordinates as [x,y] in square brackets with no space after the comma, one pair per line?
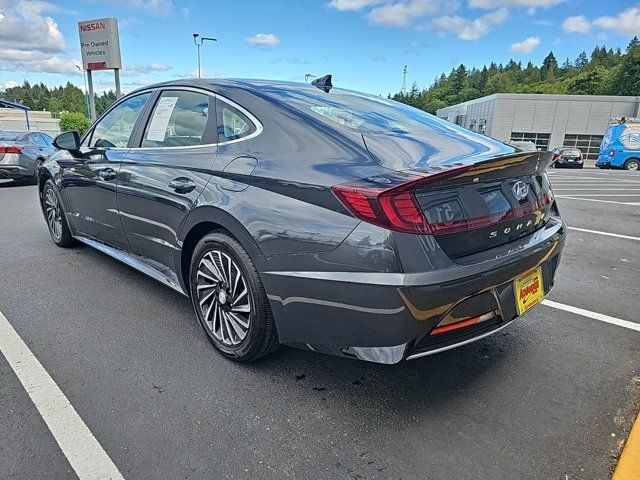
[551,397]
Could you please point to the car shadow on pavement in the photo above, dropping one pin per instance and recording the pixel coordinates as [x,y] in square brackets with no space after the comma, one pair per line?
[16,183]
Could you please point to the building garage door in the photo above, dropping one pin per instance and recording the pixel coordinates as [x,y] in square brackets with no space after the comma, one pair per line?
[588,144]
[541,140]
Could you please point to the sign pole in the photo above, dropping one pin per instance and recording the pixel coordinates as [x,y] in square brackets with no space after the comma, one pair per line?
[116,72]
[92,100]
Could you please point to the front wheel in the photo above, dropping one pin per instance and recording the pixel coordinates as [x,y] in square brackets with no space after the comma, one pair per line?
[632,164]
[229,299]
[54,214]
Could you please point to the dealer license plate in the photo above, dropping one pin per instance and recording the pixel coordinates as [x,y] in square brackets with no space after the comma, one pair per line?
[529,290]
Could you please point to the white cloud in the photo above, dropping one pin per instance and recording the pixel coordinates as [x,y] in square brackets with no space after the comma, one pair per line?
[158,8]
[525,46]
[35,61]
[577,24]
[135,69]
[8,84]
[405,12]
[263,40]
[22,49]
[490,4]
[343,5]
[19,22]
[467,29]
[627,22]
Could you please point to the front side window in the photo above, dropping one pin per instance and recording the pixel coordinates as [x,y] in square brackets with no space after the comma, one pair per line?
[114,129]
[179,119]
[232,123]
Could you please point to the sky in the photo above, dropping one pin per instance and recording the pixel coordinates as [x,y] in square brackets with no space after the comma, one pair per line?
[364,44]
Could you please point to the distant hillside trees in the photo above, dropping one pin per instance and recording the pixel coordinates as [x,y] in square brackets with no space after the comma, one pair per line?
[56,99]
[605,72]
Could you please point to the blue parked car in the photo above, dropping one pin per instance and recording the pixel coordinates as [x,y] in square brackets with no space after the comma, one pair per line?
[620,147]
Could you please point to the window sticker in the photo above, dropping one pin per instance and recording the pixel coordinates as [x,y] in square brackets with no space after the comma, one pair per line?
[160,120]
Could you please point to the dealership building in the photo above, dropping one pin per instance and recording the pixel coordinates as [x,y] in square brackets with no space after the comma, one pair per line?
[549,121]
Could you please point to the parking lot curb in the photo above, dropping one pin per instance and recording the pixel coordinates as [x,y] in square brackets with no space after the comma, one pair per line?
[629,464]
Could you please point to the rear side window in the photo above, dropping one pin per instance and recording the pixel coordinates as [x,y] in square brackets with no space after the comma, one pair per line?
[47,139]
[114,129]
[179,119]
[40,140]
[232,123]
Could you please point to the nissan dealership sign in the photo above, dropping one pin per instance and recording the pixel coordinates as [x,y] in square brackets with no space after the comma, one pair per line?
[99,44]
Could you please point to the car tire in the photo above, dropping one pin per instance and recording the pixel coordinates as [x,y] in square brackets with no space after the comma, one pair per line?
[238,325]
[55,217]
[632,164]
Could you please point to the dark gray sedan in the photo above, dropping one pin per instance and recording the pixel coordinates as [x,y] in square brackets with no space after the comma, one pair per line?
[21,153]
[320,218]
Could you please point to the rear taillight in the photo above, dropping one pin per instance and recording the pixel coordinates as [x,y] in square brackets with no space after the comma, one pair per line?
[10,149]
[393,208]
[612,153]
[390,202]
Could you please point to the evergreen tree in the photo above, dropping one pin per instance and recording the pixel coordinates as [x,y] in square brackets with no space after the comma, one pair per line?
[549,68]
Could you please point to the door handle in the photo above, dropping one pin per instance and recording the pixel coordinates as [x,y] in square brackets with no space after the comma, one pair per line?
[182,185]
[107,174]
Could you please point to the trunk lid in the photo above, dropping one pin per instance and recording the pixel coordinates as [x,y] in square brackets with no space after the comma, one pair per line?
[482,194]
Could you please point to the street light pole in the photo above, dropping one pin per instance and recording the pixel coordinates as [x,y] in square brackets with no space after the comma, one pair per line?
[86,91]
[198,45]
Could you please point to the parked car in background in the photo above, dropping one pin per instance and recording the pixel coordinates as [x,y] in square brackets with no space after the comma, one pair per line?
[22,153]
[620,147]
[524,145]
[320,218]
[568,158]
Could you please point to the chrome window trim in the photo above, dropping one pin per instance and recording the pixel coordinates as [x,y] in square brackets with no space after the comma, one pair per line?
[250,116]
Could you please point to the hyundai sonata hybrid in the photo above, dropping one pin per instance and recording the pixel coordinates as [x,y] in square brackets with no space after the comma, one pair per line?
[311,216]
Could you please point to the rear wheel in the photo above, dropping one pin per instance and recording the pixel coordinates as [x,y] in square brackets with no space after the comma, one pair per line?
[54,214]
[229,299]
[632,164]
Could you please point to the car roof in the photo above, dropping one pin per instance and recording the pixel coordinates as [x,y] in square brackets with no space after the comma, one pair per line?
[17,132]
[265,87]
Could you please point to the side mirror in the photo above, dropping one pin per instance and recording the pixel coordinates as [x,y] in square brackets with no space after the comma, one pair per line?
[67,141]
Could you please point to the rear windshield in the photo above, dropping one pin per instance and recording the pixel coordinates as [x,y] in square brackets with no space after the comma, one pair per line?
[365,113]
[10,136]
[573,152]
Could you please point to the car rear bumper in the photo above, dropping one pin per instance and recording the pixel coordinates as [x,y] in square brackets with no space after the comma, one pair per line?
[13,171]
[569,164]
[388,317]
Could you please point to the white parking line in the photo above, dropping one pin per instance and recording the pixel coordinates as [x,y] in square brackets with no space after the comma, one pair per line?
[597,232]
[76,441]
[568,197]
[596,316]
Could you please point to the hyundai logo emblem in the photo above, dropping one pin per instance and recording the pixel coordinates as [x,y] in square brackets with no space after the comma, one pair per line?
[520,190]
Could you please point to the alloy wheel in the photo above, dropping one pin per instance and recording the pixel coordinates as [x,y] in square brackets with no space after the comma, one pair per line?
[632,165]
[53,212]
[224,298]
